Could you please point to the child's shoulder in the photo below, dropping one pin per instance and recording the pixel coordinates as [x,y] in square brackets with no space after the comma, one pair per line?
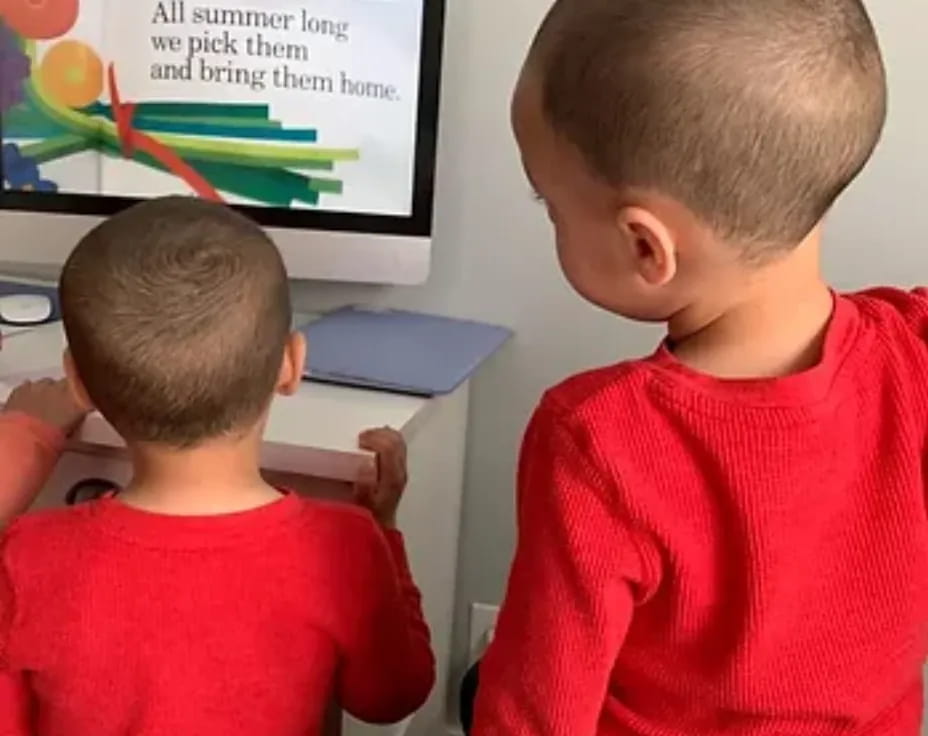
[595,393]
[47,523]
[887,306]
[339,540]
[594,410]
[339,517]
[46,536]
[896,314]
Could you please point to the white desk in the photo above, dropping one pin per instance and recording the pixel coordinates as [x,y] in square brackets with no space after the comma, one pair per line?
[314,435]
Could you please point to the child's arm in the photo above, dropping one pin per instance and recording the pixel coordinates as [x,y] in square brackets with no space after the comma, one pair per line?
[33,426]
[571,593]
[388,669]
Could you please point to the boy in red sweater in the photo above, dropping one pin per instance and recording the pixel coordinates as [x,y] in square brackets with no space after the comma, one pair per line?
[727,537]
[201,600]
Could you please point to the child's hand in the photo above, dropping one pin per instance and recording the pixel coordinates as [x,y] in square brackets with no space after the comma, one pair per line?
[381,494]
[48,401]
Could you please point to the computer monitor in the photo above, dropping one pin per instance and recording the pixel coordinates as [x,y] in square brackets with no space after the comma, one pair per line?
[317,118]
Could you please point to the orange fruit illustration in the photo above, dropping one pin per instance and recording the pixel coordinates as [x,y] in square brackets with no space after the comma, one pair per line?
[72,74]
[40,19]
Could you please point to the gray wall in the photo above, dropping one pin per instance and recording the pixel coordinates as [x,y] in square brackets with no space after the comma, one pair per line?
[879,230]
[494,258]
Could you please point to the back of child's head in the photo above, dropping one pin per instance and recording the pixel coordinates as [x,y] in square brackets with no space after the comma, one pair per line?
[177,313]
[754,114]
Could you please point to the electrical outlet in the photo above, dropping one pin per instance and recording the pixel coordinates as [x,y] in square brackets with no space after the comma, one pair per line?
[482,624]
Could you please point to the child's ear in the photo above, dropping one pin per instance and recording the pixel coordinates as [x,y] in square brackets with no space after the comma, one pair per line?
[654,251]
[291,368]
[78,390]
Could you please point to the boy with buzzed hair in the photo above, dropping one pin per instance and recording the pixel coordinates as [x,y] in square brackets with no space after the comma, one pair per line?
[729,536]
[201,600]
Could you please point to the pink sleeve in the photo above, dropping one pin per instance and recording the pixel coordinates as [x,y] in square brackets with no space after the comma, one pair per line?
[575,581]
[388,669]
[29,450]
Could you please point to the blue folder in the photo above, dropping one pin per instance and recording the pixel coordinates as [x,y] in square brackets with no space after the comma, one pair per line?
[405,352]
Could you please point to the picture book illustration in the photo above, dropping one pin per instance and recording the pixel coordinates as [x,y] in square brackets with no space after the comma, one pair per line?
[277,103]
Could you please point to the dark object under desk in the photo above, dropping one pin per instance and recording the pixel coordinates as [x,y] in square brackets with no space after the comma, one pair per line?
[468,696]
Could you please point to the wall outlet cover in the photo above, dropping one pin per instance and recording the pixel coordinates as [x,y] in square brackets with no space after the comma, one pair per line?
[482,625]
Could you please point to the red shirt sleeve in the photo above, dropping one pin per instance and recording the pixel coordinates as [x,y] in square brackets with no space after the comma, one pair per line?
[29,450]
[388,669]
[572,590]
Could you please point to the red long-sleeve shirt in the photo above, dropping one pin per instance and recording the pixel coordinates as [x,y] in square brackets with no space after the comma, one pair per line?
[129,622]
[698,556]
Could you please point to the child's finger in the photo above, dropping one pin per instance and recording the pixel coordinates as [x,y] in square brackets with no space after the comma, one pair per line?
[391,457]
[379,436]
[385,442]
[397,475]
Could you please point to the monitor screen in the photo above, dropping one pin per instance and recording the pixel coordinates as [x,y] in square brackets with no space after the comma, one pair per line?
[309,114]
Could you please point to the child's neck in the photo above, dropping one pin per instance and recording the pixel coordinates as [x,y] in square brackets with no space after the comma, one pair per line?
[774,326]
[218,477]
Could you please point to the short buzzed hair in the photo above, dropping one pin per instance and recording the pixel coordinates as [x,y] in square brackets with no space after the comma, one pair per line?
[177,313]
[755,114]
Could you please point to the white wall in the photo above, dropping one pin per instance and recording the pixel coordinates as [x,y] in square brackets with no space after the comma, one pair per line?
[494,258]
[879,230]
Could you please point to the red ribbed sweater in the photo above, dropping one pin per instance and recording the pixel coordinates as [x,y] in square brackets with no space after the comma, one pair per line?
[698,556]
[124,622]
